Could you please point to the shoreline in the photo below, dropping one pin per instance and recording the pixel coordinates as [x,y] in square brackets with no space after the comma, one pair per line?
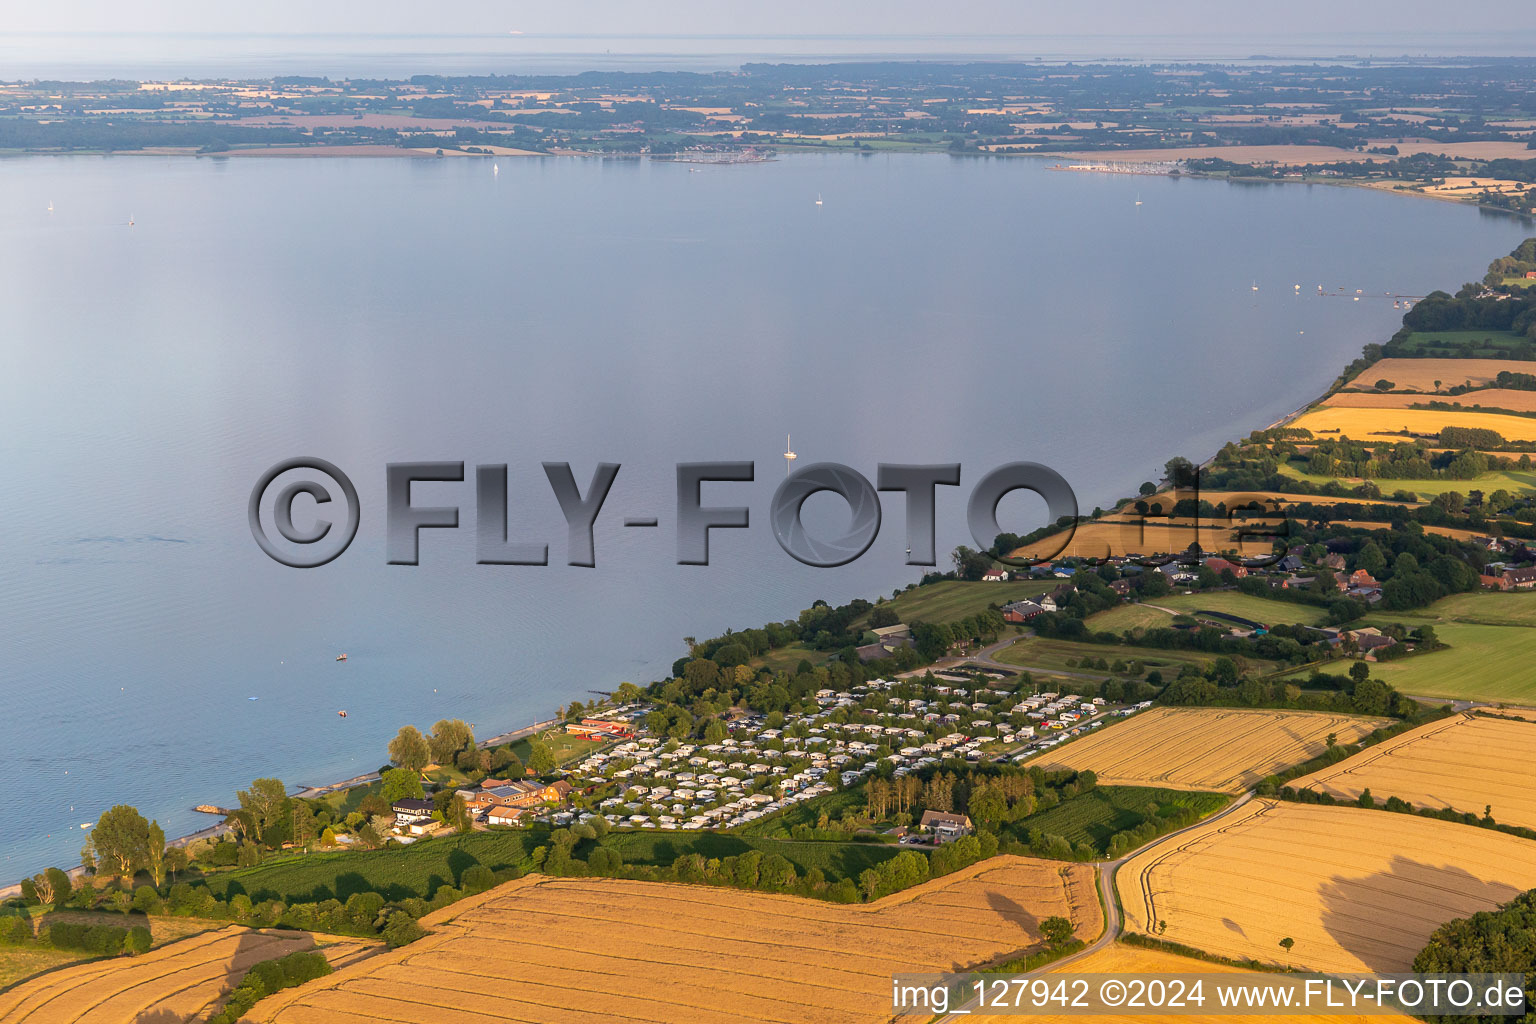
[12,889]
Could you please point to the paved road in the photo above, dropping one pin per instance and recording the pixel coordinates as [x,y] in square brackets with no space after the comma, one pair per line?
[1106,879]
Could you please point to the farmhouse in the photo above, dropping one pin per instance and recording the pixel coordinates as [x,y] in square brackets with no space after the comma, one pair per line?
[945,827]
[1222,565]
[995,575]
[1520,579]
[1021,611]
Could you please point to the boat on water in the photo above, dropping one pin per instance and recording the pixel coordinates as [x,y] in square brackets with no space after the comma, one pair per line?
[818,198]
[342,713]
[341,657]
[50,206]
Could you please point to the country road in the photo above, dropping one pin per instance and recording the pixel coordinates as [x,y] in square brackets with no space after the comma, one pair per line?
[1106,877]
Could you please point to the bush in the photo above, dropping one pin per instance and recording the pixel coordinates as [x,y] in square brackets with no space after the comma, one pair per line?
[269,977]
[14,931]
[138,941]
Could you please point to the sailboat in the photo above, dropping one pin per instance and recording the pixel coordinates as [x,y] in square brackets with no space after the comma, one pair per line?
[495,169]
[1255,286]
[1138,198]
[50,206]
[130,220]
[818,198]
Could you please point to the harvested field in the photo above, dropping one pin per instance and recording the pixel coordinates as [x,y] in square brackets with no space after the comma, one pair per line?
[181,981]
[1134,535]
[1389,424]
[1467,762]
[576,950]
[1224,750]
[1421,374]
[1358,890]
[1123,960]
[1492,398]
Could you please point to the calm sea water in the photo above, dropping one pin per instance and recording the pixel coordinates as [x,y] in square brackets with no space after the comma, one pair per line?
[369,311]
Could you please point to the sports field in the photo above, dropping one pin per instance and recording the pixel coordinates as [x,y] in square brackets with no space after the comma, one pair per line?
[1225,750]
[569,950]
[1468,763]
[1356,890]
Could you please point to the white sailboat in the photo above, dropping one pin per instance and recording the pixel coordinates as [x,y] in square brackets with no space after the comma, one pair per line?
[495,169]
[818,198]
[1138,198]
[130,220]
[1255,286]
[50,206]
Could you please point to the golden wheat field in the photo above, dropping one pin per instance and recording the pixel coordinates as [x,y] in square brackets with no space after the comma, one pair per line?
[1421,374]
[1223,750]
[1492,398]
[1358,890]
[180,981]
[1389,424]
[569,950]
[1129,534]
[1122,960]
[1468,762]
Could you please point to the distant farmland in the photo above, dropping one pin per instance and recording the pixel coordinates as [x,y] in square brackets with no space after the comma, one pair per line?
[1225,750]
[1468,763]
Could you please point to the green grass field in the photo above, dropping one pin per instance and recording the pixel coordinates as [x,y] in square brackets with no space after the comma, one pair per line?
[562,744]
[836,860]
[1054,654]
[1492,663]
[1258,609]
[1486,344]
[1488,608]
[419,869]
[1093,817]
[957,599]
[787,659]
[833,804]
[1513,482]
[1128,616]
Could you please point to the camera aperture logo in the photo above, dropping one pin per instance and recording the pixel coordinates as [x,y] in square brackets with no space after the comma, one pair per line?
[270,510]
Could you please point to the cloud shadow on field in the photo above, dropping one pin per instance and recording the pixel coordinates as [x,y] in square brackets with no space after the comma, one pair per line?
[1013,911]
[1358,912]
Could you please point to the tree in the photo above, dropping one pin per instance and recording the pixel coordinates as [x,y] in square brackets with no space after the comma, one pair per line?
[156,852]
[400,784]
[1359,672]
[266,802]
[540,759]
[1286,943]
[1057,932]
[121,841]
[449,736]
[409,749]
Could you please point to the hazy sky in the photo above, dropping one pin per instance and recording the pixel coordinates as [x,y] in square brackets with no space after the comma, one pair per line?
[754,17]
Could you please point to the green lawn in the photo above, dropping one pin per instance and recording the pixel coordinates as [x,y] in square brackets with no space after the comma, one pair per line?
[833,804]
[1514,482]
[957,599]
[1486,344]
[1050,654]
[1128,616]
[1259,609]
[1482,662]
[562,744]
[788,658]
[1488,608]
[1093,817]
[419,869]
[836,860]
